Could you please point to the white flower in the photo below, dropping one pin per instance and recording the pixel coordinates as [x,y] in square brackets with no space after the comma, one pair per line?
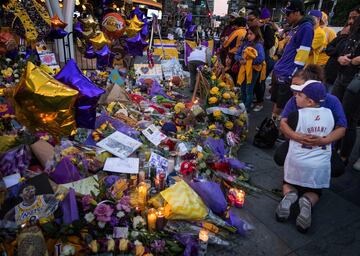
[89,217]
[138,222]
[17,80]
[137,242]
[101,224]
[120,214]
[8,60]
[16,75]
[68,250]
[134,234]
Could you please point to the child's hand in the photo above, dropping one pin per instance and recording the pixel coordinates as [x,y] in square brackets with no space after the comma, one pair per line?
[314,140]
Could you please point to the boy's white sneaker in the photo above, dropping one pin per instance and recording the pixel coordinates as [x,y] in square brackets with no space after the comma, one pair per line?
[282,212]
[303,220]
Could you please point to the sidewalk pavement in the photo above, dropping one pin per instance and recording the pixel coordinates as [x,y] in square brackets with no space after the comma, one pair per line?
[336,218]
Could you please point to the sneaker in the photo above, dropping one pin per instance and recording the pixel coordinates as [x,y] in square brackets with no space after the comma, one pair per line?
[282,212]
[356,165]
[303,220]
[258,108]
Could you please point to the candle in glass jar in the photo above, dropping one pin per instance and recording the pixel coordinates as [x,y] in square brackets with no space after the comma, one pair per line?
[160,221]
[240,198]
[151,219]
[203,241]
[142,194]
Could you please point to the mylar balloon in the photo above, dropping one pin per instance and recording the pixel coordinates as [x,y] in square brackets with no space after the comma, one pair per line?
[100,41]
[57,33]
[89,94]
[42,103]
[57,23]
[134,27]
[114,25]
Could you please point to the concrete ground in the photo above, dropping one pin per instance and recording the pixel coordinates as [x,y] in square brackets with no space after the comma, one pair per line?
[336,218]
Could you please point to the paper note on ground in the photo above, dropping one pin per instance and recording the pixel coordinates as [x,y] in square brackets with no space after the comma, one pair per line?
[127,165]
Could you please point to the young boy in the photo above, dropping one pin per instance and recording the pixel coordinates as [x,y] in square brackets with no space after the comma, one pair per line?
[306,169]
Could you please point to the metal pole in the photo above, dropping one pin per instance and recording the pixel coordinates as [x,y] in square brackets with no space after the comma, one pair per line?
[320,4]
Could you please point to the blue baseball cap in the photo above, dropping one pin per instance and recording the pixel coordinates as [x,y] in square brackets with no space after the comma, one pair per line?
[313,89]
[316,13]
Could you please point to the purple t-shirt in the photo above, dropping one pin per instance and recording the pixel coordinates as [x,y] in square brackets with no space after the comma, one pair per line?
[331,102]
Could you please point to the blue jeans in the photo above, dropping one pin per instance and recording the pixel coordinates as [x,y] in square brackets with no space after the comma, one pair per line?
[247,90]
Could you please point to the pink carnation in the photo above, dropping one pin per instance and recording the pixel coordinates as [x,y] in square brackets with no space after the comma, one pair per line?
[103,212]
[86,202]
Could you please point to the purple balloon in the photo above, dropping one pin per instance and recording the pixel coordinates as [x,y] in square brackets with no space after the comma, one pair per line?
[104,57]
[57,33]
[145,30]
[188,21]
[78,30]
[90,53]
[136,45]
[190,31]
[89,94]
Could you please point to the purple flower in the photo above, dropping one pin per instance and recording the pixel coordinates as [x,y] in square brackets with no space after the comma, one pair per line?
[158,246]
[110,180]
[114,221]
[103,212]
[124,204]
[87,200]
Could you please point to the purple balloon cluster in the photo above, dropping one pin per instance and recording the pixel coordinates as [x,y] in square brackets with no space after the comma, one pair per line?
[135,45]
[89,94]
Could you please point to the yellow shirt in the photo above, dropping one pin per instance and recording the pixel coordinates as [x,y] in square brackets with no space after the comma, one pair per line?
[37,209]
[330,35]
[318,44]
[235,39]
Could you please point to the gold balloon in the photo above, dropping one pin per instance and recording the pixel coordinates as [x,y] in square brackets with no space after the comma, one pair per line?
[100,41]
[89,22]
[42,103]
[134,27]
[57,23]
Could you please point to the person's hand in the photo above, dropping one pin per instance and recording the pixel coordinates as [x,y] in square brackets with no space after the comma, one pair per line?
[300,138]
[355,61]
[344,60]
[314,141]
[242,62]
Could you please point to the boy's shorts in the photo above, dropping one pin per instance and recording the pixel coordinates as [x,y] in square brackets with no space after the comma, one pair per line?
[302,190]
[280,91]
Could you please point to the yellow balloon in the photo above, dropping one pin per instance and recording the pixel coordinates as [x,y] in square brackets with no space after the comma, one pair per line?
[44,104]
[134,27]
[100,41]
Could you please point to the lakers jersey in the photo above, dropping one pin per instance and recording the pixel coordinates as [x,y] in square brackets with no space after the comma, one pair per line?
[310,166]
[24,213]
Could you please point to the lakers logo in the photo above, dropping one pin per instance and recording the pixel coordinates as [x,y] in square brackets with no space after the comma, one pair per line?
[317,118]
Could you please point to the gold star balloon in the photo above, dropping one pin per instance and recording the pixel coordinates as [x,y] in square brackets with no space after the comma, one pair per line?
[42,103]
[100,41]
[57,23]
[134,27]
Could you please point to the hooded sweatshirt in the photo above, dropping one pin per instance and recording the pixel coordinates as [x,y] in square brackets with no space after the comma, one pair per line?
[297,50]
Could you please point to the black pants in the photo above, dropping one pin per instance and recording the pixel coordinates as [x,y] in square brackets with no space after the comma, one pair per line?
[193,65]
[259,91]
[351,105]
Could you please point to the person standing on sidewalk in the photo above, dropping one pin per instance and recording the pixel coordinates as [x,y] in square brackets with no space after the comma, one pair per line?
[295,54]
[198,57]
[268,34]
[319,41]
[330,36]
[251,57]
[307,169]
[349,95]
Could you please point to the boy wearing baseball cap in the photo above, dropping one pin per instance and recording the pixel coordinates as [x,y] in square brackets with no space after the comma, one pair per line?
[306,168]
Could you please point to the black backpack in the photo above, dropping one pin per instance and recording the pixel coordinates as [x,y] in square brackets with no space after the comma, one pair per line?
[267,134]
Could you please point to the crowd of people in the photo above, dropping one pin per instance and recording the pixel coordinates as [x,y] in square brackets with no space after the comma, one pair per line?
[315,90]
